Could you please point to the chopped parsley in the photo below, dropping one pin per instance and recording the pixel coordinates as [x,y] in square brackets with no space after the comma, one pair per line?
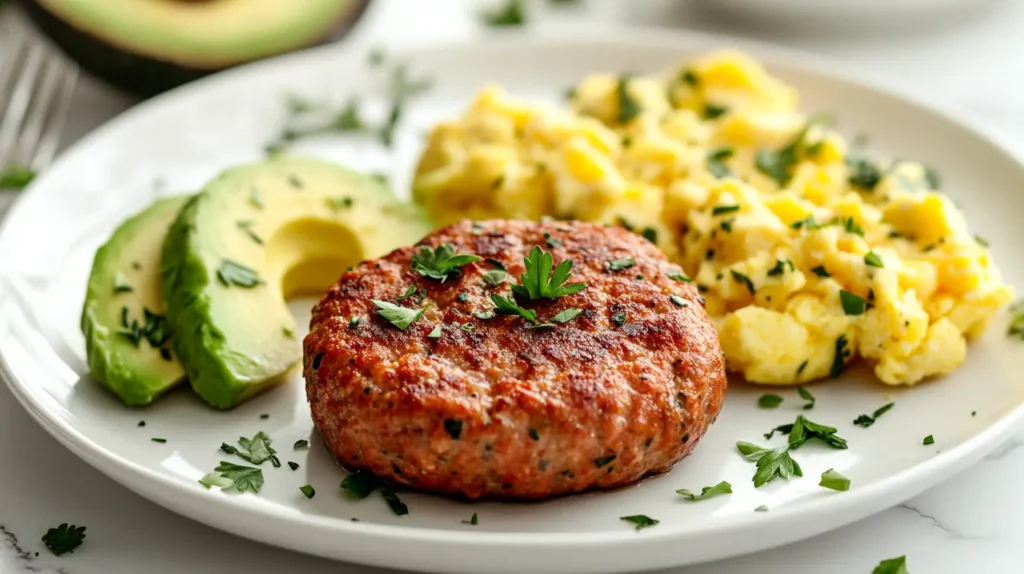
[242,478]
[769,401]
[852,304]
[780,267]
[892,566]
[254,198]
[256,450]
[851,226]
[508,306]
[603,461]
[727,225]
[803,430]
[841,354]
[339,203]
[771,463]
[801,368]
[706,492]
[650,234]
[158,440]
[678,301]
[689,77]
[629,108]
[409,292]
[834,480]
[873,260]
[234,273]
[863,173]
[737,276]
[473,520]
[678,277]
[620,264]
[141,424]
[929,440]
[453,427]
[300,444]
[435,333]
[981,241]
[716,161]
[534,434]
[441,263]
[246,226]
[462,297]
[293,465]
[494,276]
[640,521]
[362,483]
[566,315]
[552,242]
[353,323]
[723,209]
[1016,328]
[498,181]
[397,315]
[16,176]
[509,14]
[308,491]
[287,332]
[820,271]
[540,282]
[712,111]
[931,177]
[63,539]
[619,318]
[807,396]
[868,420]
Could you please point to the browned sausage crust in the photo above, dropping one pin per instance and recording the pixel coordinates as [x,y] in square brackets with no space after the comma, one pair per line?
[497,409]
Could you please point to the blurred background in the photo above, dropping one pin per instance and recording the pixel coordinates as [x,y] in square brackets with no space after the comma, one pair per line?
[67,66]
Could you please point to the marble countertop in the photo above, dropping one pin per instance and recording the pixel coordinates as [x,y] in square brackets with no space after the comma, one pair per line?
[972,522]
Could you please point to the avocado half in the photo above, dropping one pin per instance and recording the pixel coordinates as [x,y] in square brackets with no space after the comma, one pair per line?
[150,46]
[253,237]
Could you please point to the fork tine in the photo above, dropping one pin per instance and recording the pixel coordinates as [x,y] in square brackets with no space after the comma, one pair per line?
[18,104]
[10,56]
[51,136]
[38,113]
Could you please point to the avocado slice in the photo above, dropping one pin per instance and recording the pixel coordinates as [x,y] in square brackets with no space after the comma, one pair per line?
[149,46]
[256,235]
[126,335]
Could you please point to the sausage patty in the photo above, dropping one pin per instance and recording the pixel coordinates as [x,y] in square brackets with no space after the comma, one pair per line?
[493,408]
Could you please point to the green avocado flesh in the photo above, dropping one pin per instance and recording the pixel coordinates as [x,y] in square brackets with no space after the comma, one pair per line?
[203,33]
[124,308]
[253,237]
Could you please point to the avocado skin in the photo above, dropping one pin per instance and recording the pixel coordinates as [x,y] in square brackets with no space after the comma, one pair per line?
[141,75]
[106,365]
[200,345]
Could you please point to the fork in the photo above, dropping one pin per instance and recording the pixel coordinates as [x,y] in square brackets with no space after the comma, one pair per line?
[36,85]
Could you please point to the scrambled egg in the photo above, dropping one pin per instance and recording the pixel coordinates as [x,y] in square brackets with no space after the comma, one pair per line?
[808,255]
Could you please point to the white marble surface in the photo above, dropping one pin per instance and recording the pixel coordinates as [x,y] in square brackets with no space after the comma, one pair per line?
[974,522]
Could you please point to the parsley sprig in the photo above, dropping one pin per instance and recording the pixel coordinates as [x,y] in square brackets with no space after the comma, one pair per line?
[442,263]
[397,315]
[228,475]
[771,463]
[255,450]
[539,282]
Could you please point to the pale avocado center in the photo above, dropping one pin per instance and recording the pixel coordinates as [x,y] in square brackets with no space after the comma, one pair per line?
[308,255]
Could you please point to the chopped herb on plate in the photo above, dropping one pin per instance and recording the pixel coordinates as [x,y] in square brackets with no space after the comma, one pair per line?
[442,263]
[397,315]
[706,492]
[868,420]
[769,401]
[640,521]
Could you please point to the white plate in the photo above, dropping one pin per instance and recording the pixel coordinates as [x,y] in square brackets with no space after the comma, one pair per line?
[190,134]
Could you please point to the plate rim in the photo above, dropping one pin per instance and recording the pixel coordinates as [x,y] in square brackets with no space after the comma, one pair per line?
[911,481]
